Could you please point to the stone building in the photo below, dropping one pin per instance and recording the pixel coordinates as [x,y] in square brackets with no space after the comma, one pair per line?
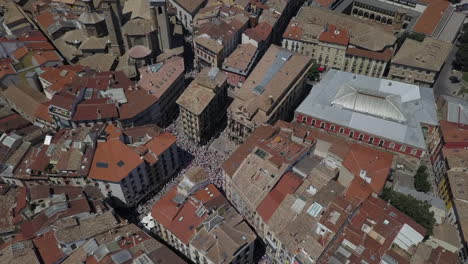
[275,86]
[199,222]
[203,104]
[419,62]
[340,41]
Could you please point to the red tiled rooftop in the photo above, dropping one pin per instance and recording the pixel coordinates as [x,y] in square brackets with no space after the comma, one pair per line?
[375,163]
[45,19]
[6,67]
[293,31]
[47,246]
[431,17]
[335,36]
[95,112]
[288,184]
[161,143]
[181,220]
[43,57]
[259,33]
[111,153]
[20,53]
[42,113]
[386,55]
[454,134]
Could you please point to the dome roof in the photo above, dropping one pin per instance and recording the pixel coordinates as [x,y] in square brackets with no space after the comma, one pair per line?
[139,52]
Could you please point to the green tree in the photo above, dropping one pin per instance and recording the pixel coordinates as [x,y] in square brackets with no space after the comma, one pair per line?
[463,39]
[419,211]
[417,36]
[461,57]
[314,73]
[421,184]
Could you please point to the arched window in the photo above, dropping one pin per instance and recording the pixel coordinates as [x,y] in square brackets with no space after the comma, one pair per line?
[351,134]
[341,130]
[361,136]
[313,122]
[371,140]
[322,125]
[160,10]
[381,143]
[332,128]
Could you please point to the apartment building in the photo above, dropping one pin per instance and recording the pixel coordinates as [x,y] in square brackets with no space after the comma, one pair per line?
[396,116]
[187,10]
[275,86]
[218,31]
[129,164]
[240,63]
[419,62]
[451,179]
[203,104]
[303,192]
[199,222]
[340,41]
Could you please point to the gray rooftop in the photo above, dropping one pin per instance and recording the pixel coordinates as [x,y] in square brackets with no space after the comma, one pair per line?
[394,112]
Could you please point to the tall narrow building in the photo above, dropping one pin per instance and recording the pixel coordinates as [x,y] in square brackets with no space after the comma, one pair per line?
[93,21]
[161,22]
[113,17]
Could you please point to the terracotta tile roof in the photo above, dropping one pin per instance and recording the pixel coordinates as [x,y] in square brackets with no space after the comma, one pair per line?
[259,33]
[43,57]
[454,133]
[386,55]
[113,160]
[324,3]
[45,19]
[288,184]
[431,17]
[95,112]
[293,31]
[374,163]
[63,100]
[12,122]
[42,113]
[333,35]
[384,220]
[39,46]
[47,246]
[6,67]
[161,143]
[181,220]
[20,53]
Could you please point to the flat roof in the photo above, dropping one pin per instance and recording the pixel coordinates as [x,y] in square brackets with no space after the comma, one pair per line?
[430,54]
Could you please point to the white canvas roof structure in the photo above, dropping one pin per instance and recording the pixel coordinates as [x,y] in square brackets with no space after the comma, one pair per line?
[385,108]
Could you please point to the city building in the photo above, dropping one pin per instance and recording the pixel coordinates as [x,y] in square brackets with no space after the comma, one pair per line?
[422,16]
[275,86]
[419,62]
[376,233]
[298,188]
[199,222]
[340,41]
[186,11]
[396,116]
[72,225]
[240,63]
[130,163]
[217,32]
[203,104]
[451,177]
[111,97]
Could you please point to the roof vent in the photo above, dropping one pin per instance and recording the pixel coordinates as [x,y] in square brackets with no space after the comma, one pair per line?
[389,83]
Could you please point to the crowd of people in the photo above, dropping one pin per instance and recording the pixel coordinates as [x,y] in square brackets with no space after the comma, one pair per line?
[191,155]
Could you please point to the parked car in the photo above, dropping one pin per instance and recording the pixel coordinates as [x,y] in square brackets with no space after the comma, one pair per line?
[454,79]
